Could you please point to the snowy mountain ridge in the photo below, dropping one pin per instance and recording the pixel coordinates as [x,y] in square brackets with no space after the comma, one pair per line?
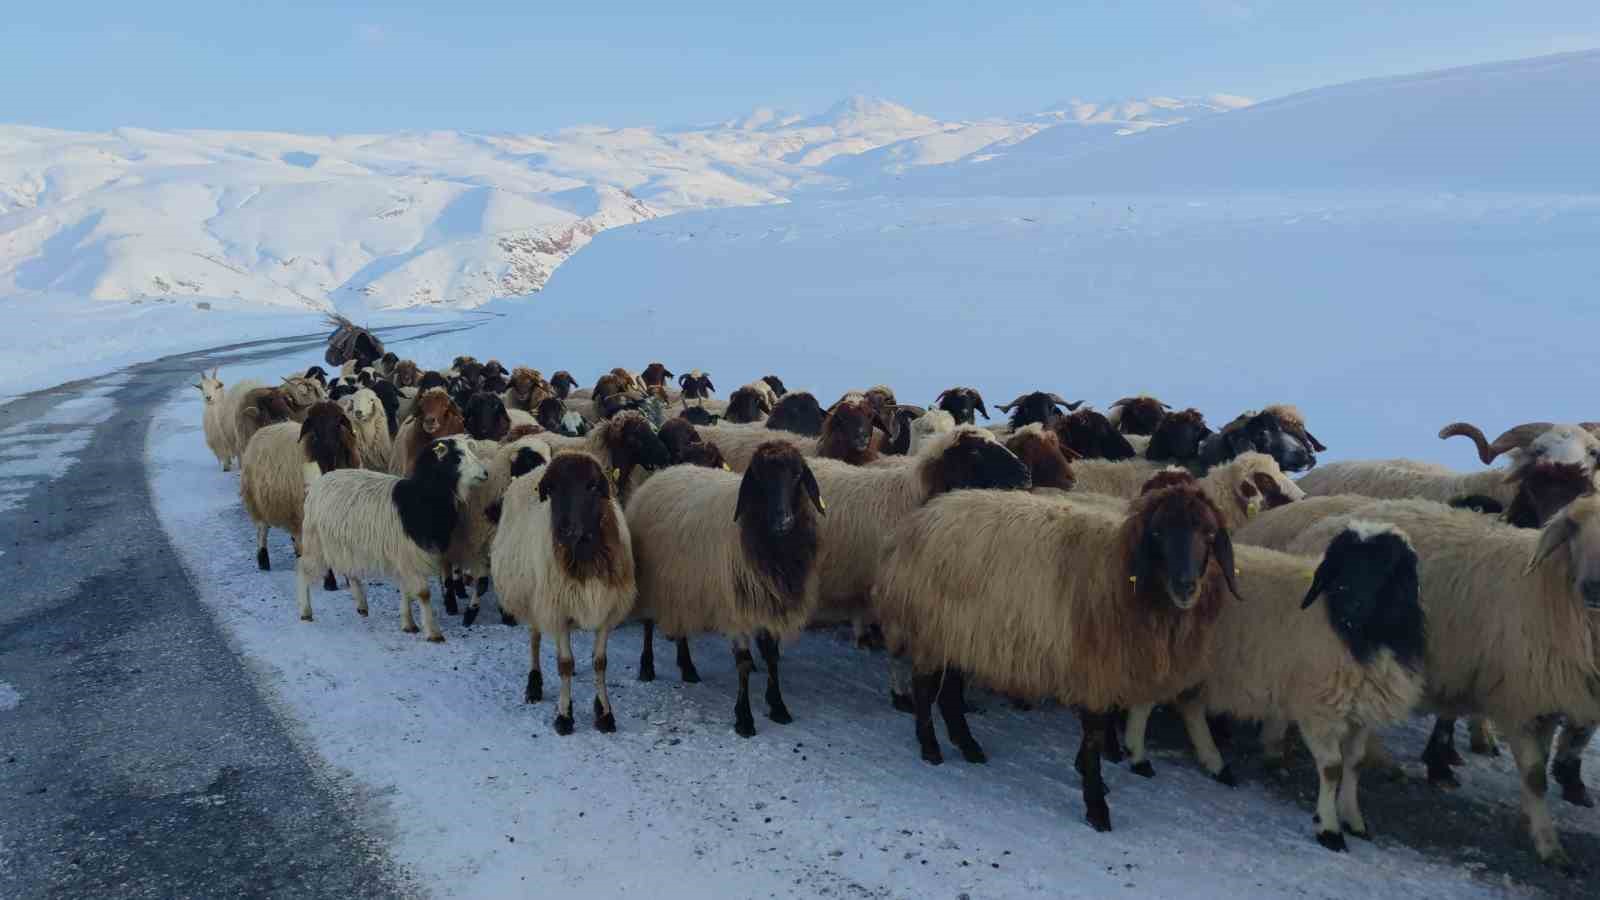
[441,218]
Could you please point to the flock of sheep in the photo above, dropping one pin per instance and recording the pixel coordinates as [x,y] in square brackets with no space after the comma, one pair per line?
[1113,562]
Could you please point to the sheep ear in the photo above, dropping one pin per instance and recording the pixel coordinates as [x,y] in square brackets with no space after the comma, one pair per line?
[1315,444]
[1552,537]
[809,480]
[706,380]
[749,496]
[981,411]
[683,381]
[940,399]
[1326,570]
[1222,546]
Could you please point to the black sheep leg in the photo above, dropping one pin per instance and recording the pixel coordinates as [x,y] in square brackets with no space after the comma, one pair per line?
[647,652]
[1438,753]
[953,707]
[686,663]
[777,711]
[744,724]
[1088,764]
[924,687]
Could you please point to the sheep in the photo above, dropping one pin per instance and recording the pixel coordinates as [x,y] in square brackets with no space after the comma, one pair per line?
[1512,628]
[1137,415]
[655,375]
[282,460]
[1038,406]
[677,435]
[924,428]
[1513,441]
[772,381]
[259,408]
[1241,488]
[847,432]
[704,454]
[562,383]
[1402,478]
[485,417]
[1356,666]
[368,417]
[211,418]
[696,385]
[437,416]
[1278,431]
[715,551]
[625,442]
[1091,435]
[406,374]
[526,390]
[1043,597]
[747,404]
[370,523]
[739,443]
[470,542]
[962,403]
[317,374]
[1177,439]
[797,413]
[699,415]
[1049,468]
[562,558]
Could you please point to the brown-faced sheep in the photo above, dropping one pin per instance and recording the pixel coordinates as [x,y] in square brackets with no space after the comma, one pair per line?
[526,390]
[1042,597]
[562,558]
[406,374]
[1049,467]
[1137,415]
[719,552]
[847,432]
[436,416]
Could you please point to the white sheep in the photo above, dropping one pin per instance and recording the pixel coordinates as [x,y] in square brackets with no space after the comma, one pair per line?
[372,523]
[371,429]
[562,558]
[212,419]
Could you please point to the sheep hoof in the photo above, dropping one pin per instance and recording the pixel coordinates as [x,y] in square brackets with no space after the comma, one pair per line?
[931,754]
[1227,777]
[647,672]
[470,616]
[1568,774]
[451,608]
[691,675]
[534,692]
[305,617]
[563,725]
[409,629]
[1018,703]
[1098,814]
[330,582]
[1143,769]
[900,701]
[779,714]
[262,562]
[1452,758]
[361,611]
[745,728]
[435,638]
[604,722]
[972,753]
[1333,840]
[1444,779]
[1356,832]
[508,619]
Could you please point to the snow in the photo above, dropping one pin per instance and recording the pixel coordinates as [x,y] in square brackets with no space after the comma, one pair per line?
[483,799]
[414,219]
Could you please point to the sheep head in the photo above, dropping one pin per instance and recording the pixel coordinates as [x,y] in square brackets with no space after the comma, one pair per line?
[1178,437]
[631,441]
[486,418]
[1175,548]
[1038,406]
[970,457]
[696,415]
[406,374]
[328,438]
[563,383]
[438,414]
[655,375]
[799,413]
[773,382]
[696,385]
[1369,581]
[1137,415]
[964,403]
[847,432]
[746,405]
[584,529]
[677,435]
[1092,436]
[1048,464]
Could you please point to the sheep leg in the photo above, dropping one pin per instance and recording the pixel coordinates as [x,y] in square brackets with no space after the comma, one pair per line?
[1530,747]
[425,600]
[567,667]
[686,663]
[534,692]
[777,711]
[899,697]
[1349,803]
[302,589]
[407,624]
[953,708]
[923,688]
[447,582]
[1481,737]
[1112,750]
[604,720]
[1096,811]
[263,562]
[743,723]
[1198,726]
[1568,767]
[358,590]
[330,581]
[1274,742]
[1326,749]
[647,652]
[1138,721]
[478,590]
[1439,752]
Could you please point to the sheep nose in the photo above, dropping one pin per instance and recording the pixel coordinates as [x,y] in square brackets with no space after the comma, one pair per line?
[1591,593]
[1184,587]
[783,524]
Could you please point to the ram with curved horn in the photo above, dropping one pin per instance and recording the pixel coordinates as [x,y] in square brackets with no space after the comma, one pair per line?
[1038,406]
[1512,439]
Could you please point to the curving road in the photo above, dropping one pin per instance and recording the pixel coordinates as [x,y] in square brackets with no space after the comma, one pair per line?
[137,756]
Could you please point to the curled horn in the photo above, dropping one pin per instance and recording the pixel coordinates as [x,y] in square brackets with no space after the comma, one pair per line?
[942,394]
[1071,407]
[1513,439]
[1123,402]
[1007,407]
[683,380]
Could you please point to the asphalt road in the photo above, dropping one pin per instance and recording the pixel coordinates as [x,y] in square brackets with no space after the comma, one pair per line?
[138,758]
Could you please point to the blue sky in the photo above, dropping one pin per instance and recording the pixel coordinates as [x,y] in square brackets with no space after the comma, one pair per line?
[339,67]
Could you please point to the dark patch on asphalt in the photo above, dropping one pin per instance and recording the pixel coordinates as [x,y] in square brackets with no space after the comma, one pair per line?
[143,760]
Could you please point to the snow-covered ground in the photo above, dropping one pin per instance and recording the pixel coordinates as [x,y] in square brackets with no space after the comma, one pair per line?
[482,798]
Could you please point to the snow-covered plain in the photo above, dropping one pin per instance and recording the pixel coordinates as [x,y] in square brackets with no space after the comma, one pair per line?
[435,218]
[482,799]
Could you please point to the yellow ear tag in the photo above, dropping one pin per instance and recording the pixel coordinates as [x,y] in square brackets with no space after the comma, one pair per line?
[1250,511]
[1238,572]
[822,504]
[1133,579]
[1311,576]
[440,449]
[616,474]
[727,468]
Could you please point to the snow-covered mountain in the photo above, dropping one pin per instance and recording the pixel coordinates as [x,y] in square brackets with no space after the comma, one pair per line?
[437,218]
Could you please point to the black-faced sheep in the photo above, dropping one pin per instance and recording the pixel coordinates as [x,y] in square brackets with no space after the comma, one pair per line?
[699,415]
[562,383]
[625,442]
[1042,597]
[962,403]
[485,417]
[1137,415]
[562,558]
[285,457]
[1339,674]
[797,413]
[746,405]
[1038,406]
[1178,438]
[719,552]
[360,523]
[1278,431]
[773,382]
[1092,436]
[696,385]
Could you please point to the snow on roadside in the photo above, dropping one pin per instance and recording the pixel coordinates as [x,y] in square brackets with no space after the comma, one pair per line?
[483,799]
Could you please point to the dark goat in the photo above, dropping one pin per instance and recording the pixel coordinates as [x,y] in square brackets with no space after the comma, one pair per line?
[1138,415]
[963,403]
[1038,406]
[486,417]
[389,396]
[1092,436]
[799,413]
